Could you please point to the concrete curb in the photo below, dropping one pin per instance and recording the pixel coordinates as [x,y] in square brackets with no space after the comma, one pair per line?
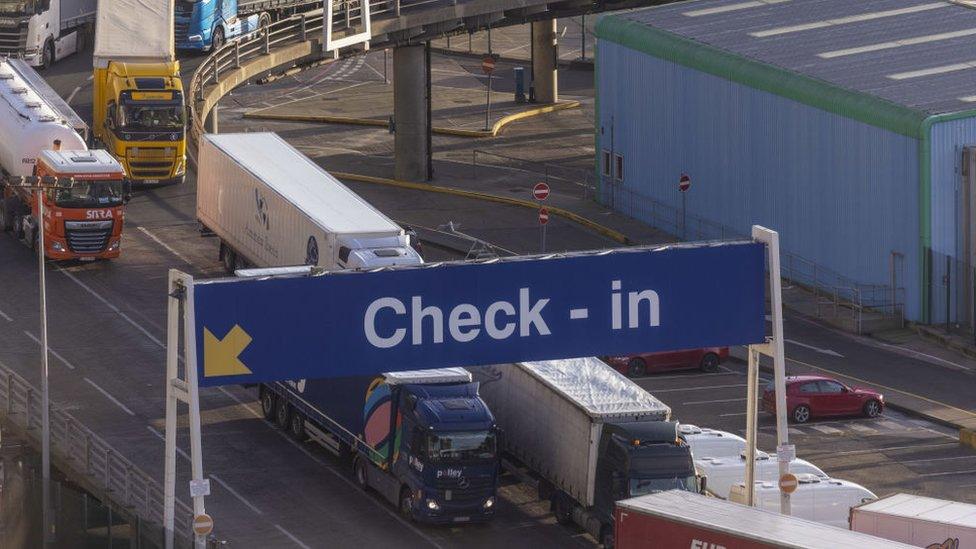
[967,437]
[496,127]
[936,335]
[592,225]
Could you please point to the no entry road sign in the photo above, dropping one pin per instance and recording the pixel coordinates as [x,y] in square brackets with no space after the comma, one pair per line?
[684,183]
[202,524]
[540,191]
[543,216]
[488,64]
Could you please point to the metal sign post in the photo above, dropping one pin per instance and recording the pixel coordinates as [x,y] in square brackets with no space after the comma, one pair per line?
[45,402]
[543,221]
[541,192]
[684,183]
[181,389]
[752,393]
[488,67]
[774,349]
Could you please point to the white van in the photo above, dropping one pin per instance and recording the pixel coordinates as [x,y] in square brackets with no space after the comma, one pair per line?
[827,501]
[711,443]
[724,472]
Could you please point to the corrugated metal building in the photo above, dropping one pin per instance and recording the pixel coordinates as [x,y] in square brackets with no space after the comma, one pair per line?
[842,124]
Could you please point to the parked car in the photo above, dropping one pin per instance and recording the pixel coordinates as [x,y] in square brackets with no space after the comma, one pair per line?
[640,364]
[818,396]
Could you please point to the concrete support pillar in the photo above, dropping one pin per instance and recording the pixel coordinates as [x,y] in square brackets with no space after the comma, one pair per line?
[212,123]
[410,112]
[544,57]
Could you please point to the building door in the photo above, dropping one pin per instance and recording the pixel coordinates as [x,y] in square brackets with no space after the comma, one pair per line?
[965,272]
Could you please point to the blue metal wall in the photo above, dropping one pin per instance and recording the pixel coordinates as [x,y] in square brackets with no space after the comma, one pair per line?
[840,192]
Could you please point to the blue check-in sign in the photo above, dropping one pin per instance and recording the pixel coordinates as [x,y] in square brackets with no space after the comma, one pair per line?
[474,313]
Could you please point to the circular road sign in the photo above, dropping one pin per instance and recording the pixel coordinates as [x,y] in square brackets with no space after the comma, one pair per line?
[684,183]
[202,524]
[488,64]
[540,191]
[788,483]
[543,216]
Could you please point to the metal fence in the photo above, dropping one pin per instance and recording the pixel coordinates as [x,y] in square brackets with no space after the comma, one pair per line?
[106,470]
[834,295]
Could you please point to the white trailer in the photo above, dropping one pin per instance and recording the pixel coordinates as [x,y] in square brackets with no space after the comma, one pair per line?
[134,31]
[590,434]
[44,31]
[918,520]
[273,207]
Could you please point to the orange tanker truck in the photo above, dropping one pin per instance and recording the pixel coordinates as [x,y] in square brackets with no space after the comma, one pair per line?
[42,141]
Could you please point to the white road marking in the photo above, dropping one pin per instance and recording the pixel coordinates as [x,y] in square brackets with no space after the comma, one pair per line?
[90,77]
[794,431]
[845,20]
[291,537]
[830,453]
[50,350]
[168,248]
[72,94]
[269,106]
[695,375]
[920,355]
[110,397]
[812,348]
[112,306]
[5,316]
[948,473]
[938,459]
[887,424]
[655,391]
[897,43]
[942,69]
[713,401]
[862,428]
[735,414]
[825,429]
[732,7]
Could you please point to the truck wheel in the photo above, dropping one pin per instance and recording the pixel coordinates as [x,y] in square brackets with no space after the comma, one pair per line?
[709,362]
[636,367]
[359,469]
[563,509]
[296,427]
[406,503]
[282,414]
[47,56]
[218,40]
[267,404]
[606,537]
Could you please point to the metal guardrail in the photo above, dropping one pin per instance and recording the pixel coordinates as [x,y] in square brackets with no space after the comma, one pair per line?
[104,468]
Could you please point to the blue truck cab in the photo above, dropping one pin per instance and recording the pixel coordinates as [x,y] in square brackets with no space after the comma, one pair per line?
[204,24]
[423,439]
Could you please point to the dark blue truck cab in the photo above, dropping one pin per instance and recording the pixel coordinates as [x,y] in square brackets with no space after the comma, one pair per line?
[423,439]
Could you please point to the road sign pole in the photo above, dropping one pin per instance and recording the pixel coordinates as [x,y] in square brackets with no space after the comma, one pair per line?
[172,377]
[544,237]
[752,394]
[45,403]
[196,447]
[488,105]
[771,239]
[684,217]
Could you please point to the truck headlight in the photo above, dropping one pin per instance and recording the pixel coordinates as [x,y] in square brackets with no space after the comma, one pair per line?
[195,38]
[432,505]
[490,502]
[57,246]
[113,246]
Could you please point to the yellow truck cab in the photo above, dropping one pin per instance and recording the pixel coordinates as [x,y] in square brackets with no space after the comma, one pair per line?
[138,106]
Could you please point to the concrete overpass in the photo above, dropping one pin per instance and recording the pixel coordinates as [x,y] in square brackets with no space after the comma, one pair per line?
[406,26]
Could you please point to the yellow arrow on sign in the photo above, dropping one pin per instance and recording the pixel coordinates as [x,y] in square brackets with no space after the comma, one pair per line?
[220,355]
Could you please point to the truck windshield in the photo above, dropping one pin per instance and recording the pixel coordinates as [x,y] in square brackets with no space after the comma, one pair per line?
[642,486]
[138,115]
[24,7]
[461,446]
[90,194]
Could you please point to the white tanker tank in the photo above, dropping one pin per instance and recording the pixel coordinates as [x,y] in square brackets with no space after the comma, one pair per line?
[32,117]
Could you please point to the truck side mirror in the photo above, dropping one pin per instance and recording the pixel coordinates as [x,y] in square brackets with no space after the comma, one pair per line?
[702,484]
[126,191]
[110,116]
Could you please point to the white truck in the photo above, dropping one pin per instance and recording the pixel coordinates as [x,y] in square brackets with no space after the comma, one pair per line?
[824,500]
[918,520]
[45,31]
[589,434]
[271,207]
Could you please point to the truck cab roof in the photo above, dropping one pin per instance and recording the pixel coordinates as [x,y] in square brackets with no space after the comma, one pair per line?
[81,162]
[451,407]
[647,432]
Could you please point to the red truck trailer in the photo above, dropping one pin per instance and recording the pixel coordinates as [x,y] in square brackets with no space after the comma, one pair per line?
[681,519]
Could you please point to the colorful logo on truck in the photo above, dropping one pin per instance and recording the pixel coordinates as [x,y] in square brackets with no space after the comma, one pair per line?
[376,423]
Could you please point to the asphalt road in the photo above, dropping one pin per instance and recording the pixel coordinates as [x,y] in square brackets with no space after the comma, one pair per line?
[107,327]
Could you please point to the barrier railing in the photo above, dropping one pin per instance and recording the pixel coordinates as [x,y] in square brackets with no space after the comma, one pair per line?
[120,482]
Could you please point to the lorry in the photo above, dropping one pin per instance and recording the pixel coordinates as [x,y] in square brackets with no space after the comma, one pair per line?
[138,105]
[590,435]
[823,500]
[40,136]
[273,207]
[205,25]
[918,520]
[44,31]
[681,519]
[422,439]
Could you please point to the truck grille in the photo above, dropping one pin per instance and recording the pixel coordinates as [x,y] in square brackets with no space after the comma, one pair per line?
[150,162]
[475,490]
[13,39]
[87,237]
[181,30]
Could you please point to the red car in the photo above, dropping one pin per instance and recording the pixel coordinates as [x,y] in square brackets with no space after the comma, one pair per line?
[638,365]
[819,396]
